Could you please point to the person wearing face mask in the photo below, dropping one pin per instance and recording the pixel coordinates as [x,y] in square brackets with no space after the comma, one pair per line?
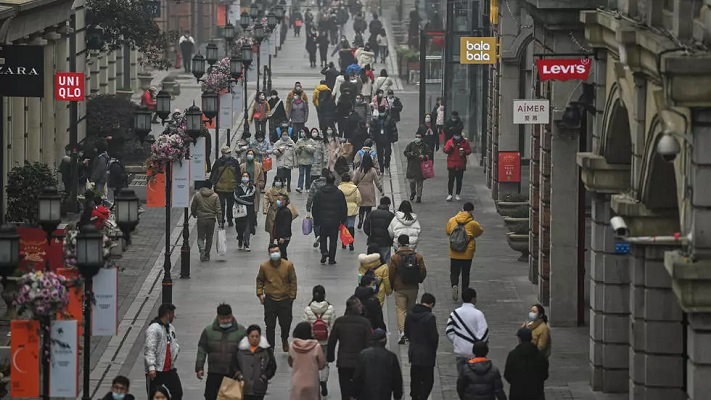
[365,56]
[462,230]
[282,225]
[224,176]
[260,112]
[457,149]
[367,293]
[160,350]
[453,126]
[372,262]
[242,146]
[285,152]
[305,150]
[394,106]
[333,145]
[353,201]
[297,107]
[255,170]
[383,130]
[340,79]
[325,105]
[276,290]
[262,149]
[119,389]
[319,160]
[416,152]
[362,108]
[270,205]
[379,100]
[428,132]
[323,43]
[207,209]
[254,364]
[331,73]
[245,221]
[278,110]
[540,332]
[438,116]
[218,345]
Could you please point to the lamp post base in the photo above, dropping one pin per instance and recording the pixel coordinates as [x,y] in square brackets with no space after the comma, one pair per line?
[185,248]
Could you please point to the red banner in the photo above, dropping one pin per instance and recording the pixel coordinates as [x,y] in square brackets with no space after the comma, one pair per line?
[563,69]
[509,166]
[155,190]
[25,360]
[35,252]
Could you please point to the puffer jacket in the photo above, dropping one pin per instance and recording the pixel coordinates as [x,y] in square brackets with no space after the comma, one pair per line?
[457,160]
[154,347]
[285,152]
[372,262]
[241,148]
[365,57]
[206,205]
[319,158]
[474,230]
[317,92]
[224,174]
[353,199]
[479,379]
[218,346]
[372,310]
[376,226]
[263,149]
[315,187]
[351,333]
[305,149]
[383,82]
[323,309]
[254,369]
[400,226]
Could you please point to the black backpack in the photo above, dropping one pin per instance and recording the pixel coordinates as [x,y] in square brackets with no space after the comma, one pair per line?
[410,269]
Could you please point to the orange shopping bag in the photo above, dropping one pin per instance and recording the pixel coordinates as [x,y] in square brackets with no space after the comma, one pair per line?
[346,237]
[267,164]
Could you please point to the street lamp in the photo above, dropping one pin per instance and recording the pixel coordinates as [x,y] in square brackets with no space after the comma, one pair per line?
[254,11]
[142,117]
[126,205]
[198,66]
[235,67]
[50,214]
[244,20]
[258,34]
[246,56]
[163,105]
[9,250]
[210,104]
[193,121]
[279,13]
[211,53]
[271,20]
[229,32]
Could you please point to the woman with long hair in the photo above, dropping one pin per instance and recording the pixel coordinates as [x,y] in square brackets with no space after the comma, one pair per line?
[321,314]
[246,214]
[306,359]
[270,205]
[538,325]
[405,223]
[260,112]
[332,143]
[367,179]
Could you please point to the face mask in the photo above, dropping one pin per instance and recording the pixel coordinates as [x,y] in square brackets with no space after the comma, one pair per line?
[380,95]
[428,119]
[261,97]
[245,180]
[277,184]
[278,203]
[418,140]
[225,326]
[391,97]
[375,288]
[358,101]
[314,135]
[457,137]
[330,132]
[250,157]
[274,97]
[298,89]
[284,138]
[117,396]
[276,256]
[454,119]
[532,316]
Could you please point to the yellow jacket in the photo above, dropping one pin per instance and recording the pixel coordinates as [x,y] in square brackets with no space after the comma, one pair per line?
[541,336]
[317,93]
[353,199]
[372,261]
[474,230]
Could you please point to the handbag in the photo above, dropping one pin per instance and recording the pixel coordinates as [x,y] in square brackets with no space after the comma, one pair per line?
[257,115]
[239,211]
[266,164]
[427,168]
[230,389]
[221,242]
[346,237]
[307,226]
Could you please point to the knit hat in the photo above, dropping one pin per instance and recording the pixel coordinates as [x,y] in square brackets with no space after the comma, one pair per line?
[226,150]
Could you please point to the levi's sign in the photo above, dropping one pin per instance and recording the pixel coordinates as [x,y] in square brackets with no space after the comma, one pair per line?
[531,112]
[477,50]
[563,69]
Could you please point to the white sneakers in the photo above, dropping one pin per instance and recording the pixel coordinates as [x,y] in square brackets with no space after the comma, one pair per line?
[457,197]
[455,293]
[449,198]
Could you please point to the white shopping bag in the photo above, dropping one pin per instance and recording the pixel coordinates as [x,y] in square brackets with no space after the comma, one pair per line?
[221,242]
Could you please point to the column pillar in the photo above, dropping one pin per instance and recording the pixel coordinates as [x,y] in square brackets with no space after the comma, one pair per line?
[61,110]
[119,69]
[111,72]
[134,70]
[104,73]
[17,124]
[534,173]
[93,67]
[47,150]
[32,129]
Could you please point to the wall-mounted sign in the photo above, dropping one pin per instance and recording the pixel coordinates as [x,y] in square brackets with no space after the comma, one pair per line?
[21,71]
[509,166]
[477,50]
[531,112]
[563,69]
[69,86]
[153,8]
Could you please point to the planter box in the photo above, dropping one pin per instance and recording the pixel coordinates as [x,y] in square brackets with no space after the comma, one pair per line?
[519,243]
[145,81]
[517,225]
[169,86]
[506,208]
[124,94]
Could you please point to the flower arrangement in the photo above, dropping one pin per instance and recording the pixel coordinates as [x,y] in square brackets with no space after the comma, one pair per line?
[218,77]
[70,249]
[171,146]
[44,294]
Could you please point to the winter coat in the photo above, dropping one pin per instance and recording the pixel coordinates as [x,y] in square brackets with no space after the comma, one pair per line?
[297,113]
[327,110]
[378,102]
[421,329]
[479,379]
[100,168]
[383,82]
[117,179]
[455,159]
[282,223]
[261,107]
[376,226]
[353,199]
[394,108]
[351,332]
[367,89]
[363,110]
[358,158]
[156,343]
[258,179]
[541,336]
[383,131]
[206,205]
[247,196]
[285,152]
[293,96]
[438,115]
[270,208]
[359,24]
[333,150]
[413,152]
[474,230]
[317,93]
[331,74]
[278,110]
[378,375]
[256,368]
[367,183]
[278,283]
[305,149]
[365,57]
[337,87]
[329,208]
[148,100]
[465,326]
[396,266]
[372,310]
[452,127]
[319,161]
[372,262]
[315,187]
[375,26]
[263,149]
[219,346]
[225,173]
[526,371]
[241,148]
[349,90]
[401,226]
[306,359]
[429,135]
[321,309]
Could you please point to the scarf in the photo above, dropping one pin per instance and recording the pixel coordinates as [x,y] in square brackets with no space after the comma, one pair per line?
[250,169]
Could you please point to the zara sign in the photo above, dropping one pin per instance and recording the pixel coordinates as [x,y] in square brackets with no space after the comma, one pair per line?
[21,71]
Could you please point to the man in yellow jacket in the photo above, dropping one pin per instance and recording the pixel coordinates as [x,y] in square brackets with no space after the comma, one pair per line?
[462,230]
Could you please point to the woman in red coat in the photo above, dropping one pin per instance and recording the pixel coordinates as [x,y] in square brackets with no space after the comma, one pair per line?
[457,150]
[148,100]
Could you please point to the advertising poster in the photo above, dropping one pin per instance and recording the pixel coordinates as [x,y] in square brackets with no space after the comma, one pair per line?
[25,366]
[264,52]
[104,316]
[64,353]
[76,298]
[155,190]
[226,117]
[180,193]
[197,159]
[35,252]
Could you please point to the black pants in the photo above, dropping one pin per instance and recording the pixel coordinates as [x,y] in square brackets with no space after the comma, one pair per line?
[169,379]
[280,310]
[324,56]
[329,242]
[285,174]
[187,60]
[345,381]
[457,266]
[282,248]
[431,142]
[384,150]
[227,200]
[212,385]
[363,213]
[253,397]
[457,174]
[421,382]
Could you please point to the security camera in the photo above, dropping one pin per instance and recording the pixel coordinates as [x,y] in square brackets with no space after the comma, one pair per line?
[619,226]
[668,147]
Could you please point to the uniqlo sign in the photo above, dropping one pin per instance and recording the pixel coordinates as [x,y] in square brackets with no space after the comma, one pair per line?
[563,69]
[69,86]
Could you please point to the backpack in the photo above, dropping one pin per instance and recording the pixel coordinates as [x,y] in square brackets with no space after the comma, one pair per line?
[410,269]
[458,239]
[320,328]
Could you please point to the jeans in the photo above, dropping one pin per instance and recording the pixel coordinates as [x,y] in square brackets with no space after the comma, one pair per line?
[350,224]
[212,385]
[227,200]
[345,381]
[405,299]
[280,310]
[329,242]
[384,150]
[170,379]
[285,174]
[244,229]
[323,374]
[363,213]
[304,175]
[416,187]
[205,231]
[421,382]
[457,174]
[385,253]
[457,266]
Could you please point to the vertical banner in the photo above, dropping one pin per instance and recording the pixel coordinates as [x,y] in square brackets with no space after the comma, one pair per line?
[277,37]
[35,252]
[64,353]
[237,99]
[25,365]
[181,185]
[155,190]
[76,299]
[104,317]
[252,74]
[198,160]
[226,121]
[264,53]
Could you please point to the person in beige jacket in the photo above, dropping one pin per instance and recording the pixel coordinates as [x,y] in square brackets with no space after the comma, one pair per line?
[353,201]
[206,208]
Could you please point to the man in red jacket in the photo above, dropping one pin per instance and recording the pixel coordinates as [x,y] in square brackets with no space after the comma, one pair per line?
[457,150]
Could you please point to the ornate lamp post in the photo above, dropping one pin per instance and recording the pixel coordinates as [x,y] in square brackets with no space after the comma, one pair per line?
[229,32]
[246,55]
[258,34]
[211,53]
[9,250]
[142,122]
[244,20]
[280,16]
[271,24]
[126,204]
[163,105]
[194,127]
[210,107]
[198,66]
[254,11]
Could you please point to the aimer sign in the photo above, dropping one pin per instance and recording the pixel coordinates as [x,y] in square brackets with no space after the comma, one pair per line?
[69,86]
[477,50]
[531,112]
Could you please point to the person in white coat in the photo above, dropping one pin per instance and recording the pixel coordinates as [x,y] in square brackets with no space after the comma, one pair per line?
[365,56]
[285,153]
[383,82]
[320,309]
[466,325]
[405,223]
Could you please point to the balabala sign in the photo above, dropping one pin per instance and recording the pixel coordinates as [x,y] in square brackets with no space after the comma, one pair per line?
[477,50]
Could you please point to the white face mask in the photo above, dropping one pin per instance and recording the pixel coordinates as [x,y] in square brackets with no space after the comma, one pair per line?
[428,119]
[314,135]
[330,132]
[532,316]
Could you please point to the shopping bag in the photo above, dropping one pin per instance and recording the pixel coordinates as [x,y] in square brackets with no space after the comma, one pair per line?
[427,168]
[307,226]
[346,237]
[239,211]
[221,242]
[266,164]
[294,211]
[230,389]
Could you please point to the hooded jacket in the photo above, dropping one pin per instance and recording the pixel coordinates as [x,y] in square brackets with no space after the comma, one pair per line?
[206,205]
[224,174]
[317,92]
[372,262]
[323,309]
[351,333]
[306,359]
[401,226]
[376,226]
[371,307]
[315,187]
[479,379]
[474,230]
[378,375]
[329,208]
[218,346]
[396,265]
[158,336]
[285,152]
[526,371]
[256,368]
[331,74]
[305,149]
[353,199]
[421,329]
[457,160]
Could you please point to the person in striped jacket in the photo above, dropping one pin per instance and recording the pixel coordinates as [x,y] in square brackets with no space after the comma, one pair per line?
[466,325]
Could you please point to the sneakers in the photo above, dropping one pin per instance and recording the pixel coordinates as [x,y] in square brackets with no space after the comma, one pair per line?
[412,196]
[240,246]
[299,190]
[419,200]
[455,293]
[457,197]
[285,345]
[449,198]
[317,242]
[403,339]
[324,389]
[246,248]
[332,262]
[323,259]
[350,247]
[202,255]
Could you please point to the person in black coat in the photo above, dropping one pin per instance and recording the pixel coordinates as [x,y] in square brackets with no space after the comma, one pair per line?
[453,126]
[350,332]
[421,331]
[331,73]
[378,375]
[479,379]
[311,49]
[329,212]
[323,43]
[371,305]
[383,132]
[526,369]
[282,224]
[376,227]
[327,112]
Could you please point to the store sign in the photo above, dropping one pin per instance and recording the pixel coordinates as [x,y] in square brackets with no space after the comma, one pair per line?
[563,69]
[509,166]
[64,354]
[21,71]
[25,359]
[153,8]
[531,112]
[69,86]
[477,50]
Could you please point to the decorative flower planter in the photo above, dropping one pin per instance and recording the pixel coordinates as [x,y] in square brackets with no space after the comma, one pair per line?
[517,225]
[145,81]
[169,86]
[519,243]
[9,294]
[506,208]
[124,94]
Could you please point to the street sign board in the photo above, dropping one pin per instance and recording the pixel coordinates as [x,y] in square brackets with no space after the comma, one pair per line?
[153,8]
[534,112]
[21,71]
[477,50]
[509,166]
[563,69]
[69,86]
